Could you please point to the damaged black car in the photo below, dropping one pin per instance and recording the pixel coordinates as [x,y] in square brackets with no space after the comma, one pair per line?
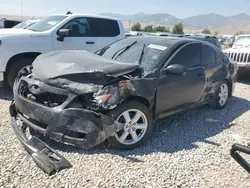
[117,93]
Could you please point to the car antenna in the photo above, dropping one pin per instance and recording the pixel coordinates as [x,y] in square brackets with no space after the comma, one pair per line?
[69,13]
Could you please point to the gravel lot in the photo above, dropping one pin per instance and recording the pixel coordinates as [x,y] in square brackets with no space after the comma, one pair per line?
[186,150]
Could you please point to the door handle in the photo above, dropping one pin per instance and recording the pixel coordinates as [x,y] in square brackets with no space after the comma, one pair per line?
[90,42]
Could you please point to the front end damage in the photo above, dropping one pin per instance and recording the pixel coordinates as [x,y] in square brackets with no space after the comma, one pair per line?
[60,115]
[70,97]
[80,119]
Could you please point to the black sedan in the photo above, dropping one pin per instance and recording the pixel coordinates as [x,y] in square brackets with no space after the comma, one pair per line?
[117,93]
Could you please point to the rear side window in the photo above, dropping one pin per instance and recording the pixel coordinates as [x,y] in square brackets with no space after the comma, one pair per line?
[208,55]
[104,27]
[188,56]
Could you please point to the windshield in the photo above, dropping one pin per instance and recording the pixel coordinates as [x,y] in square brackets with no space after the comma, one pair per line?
[148,55]
[21,25]
[46,24]
[243,41]
[28,25]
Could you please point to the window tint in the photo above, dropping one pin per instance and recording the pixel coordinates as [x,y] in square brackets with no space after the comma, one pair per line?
[188,56]
[10,23]
[104,27]
[79,27]
[92,27]
[208,55]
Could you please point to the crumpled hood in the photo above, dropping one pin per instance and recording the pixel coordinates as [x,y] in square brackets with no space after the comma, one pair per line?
[14,31]
[61,68]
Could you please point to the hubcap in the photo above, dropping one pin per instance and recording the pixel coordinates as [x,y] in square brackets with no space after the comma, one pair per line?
[135,126]
[223,95]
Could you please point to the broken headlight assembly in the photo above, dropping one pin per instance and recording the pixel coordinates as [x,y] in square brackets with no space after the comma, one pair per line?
[107,98]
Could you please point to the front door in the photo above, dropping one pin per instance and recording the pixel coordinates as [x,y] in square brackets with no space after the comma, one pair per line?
[175,92]
[80,37]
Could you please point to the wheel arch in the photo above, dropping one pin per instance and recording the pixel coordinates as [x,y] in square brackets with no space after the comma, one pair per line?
[139,99]
[16,57]
[143,101]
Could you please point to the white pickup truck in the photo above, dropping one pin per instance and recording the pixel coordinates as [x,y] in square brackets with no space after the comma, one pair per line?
[20,47]
[240,52]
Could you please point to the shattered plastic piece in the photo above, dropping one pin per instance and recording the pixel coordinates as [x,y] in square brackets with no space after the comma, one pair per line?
[212,120]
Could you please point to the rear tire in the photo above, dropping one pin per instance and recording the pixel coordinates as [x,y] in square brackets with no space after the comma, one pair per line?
[14,69]
[221,97]
[138,125]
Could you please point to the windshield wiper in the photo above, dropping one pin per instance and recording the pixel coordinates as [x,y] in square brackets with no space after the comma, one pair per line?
[142,53]
[123,50]
[31,29]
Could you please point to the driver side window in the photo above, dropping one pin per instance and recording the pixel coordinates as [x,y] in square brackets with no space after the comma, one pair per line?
[78,27]
[189,56]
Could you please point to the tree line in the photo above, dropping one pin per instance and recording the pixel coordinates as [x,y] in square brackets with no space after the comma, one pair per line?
[177,29]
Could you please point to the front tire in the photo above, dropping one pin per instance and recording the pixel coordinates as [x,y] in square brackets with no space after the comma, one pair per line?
[221,97]
[138,125]
[15,68]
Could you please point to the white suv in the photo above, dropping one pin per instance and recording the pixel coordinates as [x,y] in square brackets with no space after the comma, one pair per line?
[19,47]
[240,52]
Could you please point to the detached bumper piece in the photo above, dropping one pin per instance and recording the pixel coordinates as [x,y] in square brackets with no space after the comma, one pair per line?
[45,157]
[234,153]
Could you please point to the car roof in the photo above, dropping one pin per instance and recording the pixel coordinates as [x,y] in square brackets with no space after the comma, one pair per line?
[167,41]
[170,41]
[201,36]
[88,15]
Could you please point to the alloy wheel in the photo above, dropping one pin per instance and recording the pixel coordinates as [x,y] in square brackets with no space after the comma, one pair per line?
[135,126]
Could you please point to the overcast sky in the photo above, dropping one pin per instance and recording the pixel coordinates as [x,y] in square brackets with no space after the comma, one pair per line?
[178,8]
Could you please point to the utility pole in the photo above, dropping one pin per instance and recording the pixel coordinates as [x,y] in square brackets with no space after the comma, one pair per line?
[21,11]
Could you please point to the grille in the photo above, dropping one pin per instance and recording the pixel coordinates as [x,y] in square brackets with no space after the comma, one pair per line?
[239,57]
[47,99]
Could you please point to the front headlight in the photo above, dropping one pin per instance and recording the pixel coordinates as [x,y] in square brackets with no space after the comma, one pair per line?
[102,98]
[107,98]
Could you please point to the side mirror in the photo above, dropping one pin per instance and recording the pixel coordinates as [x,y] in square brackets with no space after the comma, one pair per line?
[175,69]
[62,33]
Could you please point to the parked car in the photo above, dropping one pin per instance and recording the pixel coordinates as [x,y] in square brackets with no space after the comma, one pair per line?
[19,47]
[211,39]
[230,41]
[5,23]
[222,40]
[117,93]
[240,52]
[25,24]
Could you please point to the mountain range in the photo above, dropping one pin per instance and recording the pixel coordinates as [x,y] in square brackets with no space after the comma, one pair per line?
[211,21]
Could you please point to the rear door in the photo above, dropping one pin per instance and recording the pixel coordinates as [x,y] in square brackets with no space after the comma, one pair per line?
[215,69]
[105,31]
[81,36]
[176,93]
